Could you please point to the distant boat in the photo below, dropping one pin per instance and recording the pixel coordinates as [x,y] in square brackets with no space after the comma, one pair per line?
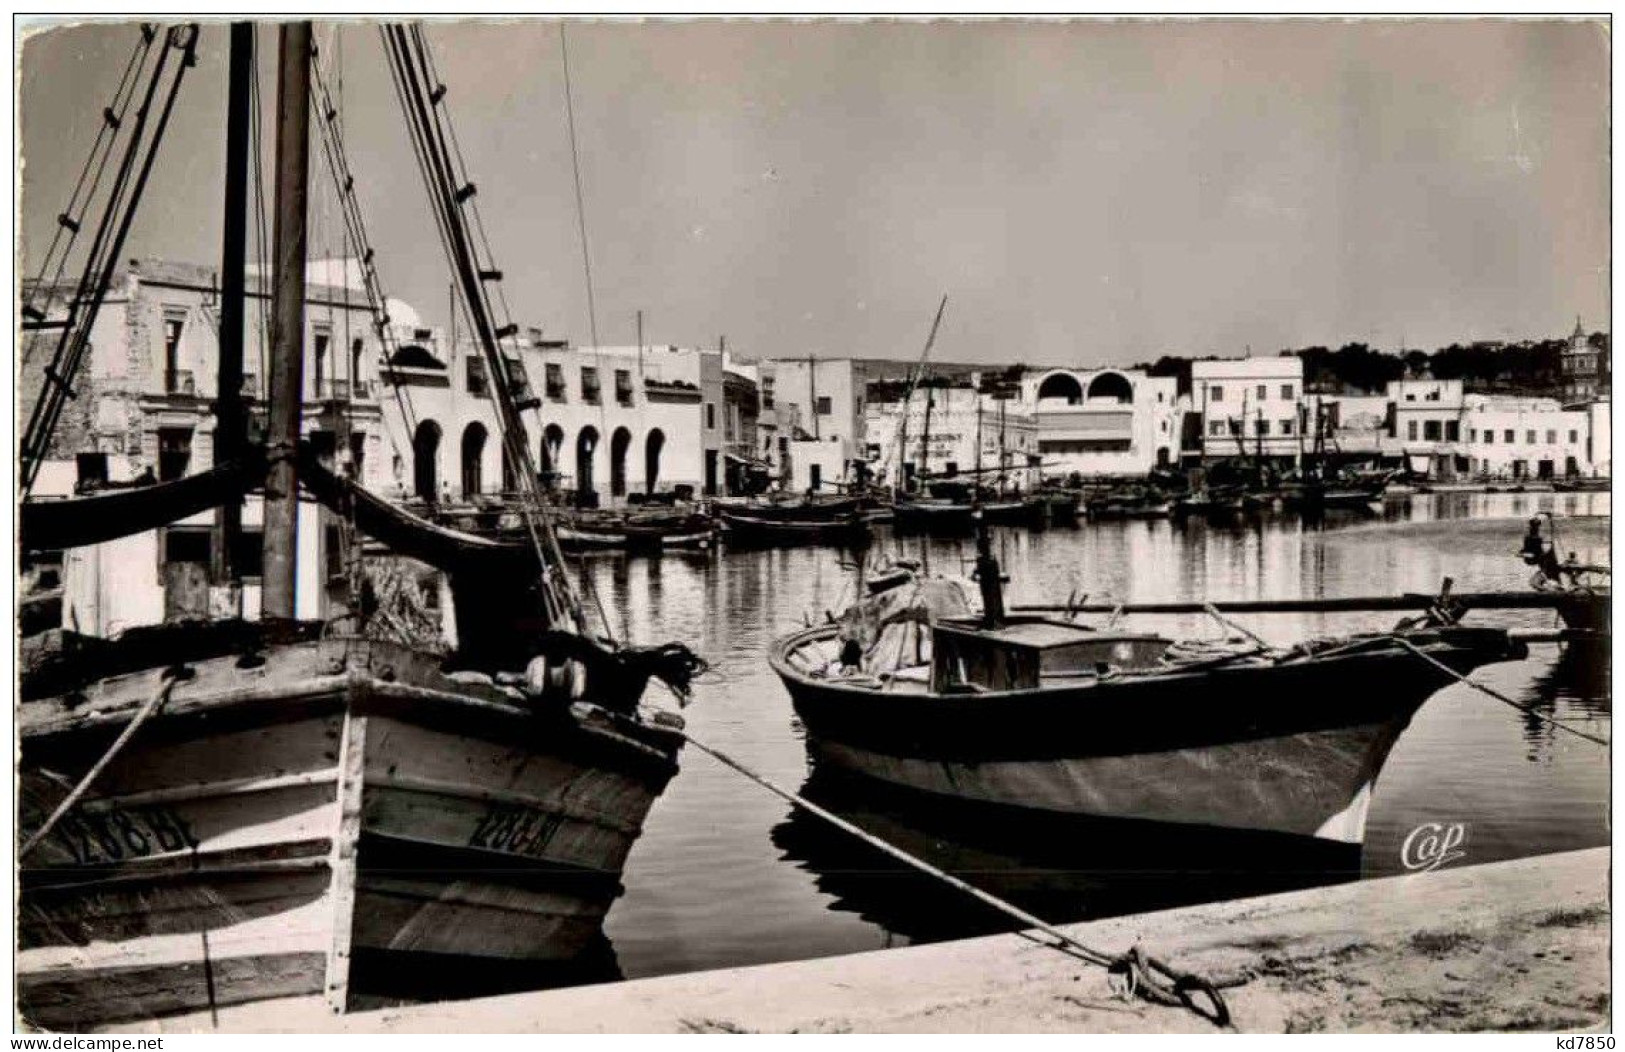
[760,528]
[1583,485]
[637,532]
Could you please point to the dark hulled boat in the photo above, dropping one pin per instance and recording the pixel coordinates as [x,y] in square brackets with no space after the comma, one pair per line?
[1051,716]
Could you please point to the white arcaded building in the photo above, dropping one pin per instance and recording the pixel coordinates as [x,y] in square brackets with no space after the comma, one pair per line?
[1103,421]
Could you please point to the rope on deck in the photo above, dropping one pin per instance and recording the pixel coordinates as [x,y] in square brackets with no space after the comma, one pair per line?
[1139,972]
[1497,695]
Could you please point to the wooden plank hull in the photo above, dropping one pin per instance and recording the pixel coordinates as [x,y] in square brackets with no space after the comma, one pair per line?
[345,799]
[1292,748]
[1315,784]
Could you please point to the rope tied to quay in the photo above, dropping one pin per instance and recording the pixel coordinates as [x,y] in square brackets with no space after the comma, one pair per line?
[1140,974]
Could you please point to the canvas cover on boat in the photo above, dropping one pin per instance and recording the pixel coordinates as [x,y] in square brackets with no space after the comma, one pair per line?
[928,599]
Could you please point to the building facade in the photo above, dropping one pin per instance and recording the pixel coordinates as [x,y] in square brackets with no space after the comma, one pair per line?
[604,425]
[1585,368]
[938,432]
[1103,421]
[1525,438]
[144,409]
[1251,407]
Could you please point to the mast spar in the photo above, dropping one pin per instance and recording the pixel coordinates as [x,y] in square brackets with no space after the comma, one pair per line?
[287,365]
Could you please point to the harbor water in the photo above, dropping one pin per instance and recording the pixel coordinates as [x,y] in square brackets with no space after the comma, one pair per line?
[727,874]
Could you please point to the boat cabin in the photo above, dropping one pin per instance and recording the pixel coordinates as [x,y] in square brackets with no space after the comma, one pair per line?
[1024,653]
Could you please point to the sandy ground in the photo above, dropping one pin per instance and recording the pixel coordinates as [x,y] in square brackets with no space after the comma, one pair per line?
[1519,946]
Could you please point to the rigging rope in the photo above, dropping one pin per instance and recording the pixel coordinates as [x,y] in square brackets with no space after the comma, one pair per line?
[104,252]
[1498,696]
[1142,974]
[421,103]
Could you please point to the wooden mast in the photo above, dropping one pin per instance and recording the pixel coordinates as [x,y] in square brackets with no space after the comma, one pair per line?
[230,414]
[287,365]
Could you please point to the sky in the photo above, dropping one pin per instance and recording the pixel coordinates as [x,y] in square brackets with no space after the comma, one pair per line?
[1084,192]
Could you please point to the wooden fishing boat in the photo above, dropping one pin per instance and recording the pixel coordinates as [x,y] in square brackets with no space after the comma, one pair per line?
[315,819]
[1045,715]
[1583,485]
[219,812]
[750,529]
[637,532]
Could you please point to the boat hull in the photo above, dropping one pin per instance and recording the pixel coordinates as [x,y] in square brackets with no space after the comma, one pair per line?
[347,801]
[1291,748]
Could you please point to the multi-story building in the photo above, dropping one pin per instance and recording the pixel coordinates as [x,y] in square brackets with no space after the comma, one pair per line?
[1584,367]
[606,424]
[1250,407]
[1425,424]
[938,430]
[1510,437]
[745,469]
[144,409]
[1104,421]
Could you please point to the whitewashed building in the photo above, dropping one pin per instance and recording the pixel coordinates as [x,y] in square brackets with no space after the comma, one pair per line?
[1104,421]
[1525,438]
[144,407]
[1250,404]
[603,423]
[958,416]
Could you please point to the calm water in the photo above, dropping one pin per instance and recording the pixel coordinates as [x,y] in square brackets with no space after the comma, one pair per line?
[725,874]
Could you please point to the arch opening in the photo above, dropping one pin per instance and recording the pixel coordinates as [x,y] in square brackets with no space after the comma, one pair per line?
[473,452]
[1063,386]
[425,451]
[619,442]
[1114,386]
[652,447]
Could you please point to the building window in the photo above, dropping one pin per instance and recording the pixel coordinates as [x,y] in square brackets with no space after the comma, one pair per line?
[1286,392]
[623,386]
[1431,430]
[321,338]
[174,452]
[589,384]
[1216,427]
[1215,393]
[1489,437]
[1551,437]
[176,379]
[1410,430]
[710,416]
[1529,437]
[555,381]
[824,406]
[1263,392]
[1472,434]
[1286,425]
[1574,437]
[1452,431]
[1261,427]
[1235,427]
[1507,436]
[478,385]
[767,392]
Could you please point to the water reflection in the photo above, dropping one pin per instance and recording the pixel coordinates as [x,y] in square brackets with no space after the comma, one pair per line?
[723,876]
[1060,868]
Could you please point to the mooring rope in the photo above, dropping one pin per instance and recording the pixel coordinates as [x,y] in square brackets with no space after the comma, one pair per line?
[171,677]
[1497,695]
[1140,973]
